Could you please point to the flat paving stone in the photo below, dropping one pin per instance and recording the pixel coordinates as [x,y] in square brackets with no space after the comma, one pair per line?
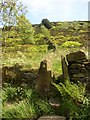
[53,117]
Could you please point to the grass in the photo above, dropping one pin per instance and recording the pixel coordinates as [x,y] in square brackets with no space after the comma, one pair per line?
[30,56]
[57,67]
[21,110]
[25,55]
[30,106]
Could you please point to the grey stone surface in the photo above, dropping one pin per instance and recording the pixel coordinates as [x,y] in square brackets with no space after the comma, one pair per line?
[53,117]
[54,103]
[78,66]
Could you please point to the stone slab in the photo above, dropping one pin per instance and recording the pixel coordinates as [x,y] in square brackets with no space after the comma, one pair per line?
[76,56]
[53,117]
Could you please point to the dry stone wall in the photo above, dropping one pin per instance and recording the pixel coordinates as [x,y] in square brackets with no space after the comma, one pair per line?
[79,68]
[76,66]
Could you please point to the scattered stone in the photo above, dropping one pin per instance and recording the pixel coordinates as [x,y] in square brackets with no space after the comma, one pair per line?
[54,103]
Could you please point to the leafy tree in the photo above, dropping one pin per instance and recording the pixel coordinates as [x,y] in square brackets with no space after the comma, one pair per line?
[46,23]
[25,30]
[9,12]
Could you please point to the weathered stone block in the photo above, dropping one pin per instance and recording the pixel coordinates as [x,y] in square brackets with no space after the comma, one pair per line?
[83,80]
[76,56]
[87,65]
[53,117]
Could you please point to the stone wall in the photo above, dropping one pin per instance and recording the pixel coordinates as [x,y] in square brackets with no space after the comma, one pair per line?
[79,68]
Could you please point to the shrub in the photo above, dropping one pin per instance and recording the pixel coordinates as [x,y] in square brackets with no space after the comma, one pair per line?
[25,30]
[40,39]
[71,44]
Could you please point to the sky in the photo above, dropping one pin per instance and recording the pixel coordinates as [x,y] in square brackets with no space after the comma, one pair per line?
[56,10]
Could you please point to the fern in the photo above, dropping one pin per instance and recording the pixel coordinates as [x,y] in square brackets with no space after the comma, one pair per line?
[76,92]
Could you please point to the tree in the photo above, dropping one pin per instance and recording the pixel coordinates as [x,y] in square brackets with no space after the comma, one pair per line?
[25,30]
[10,10]
[46,23]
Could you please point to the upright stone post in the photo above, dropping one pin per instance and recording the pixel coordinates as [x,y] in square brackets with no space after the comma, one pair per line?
[64,68]
[44,78]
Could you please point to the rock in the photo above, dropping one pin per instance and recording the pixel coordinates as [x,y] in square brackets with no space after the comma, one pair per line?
[88,87]
[87,65]
[83,80]
[76,66]
[76,56]
[64,68]
[44,78]
[53,117]
[12,74]
[76,71]
[54,103]
[79,75]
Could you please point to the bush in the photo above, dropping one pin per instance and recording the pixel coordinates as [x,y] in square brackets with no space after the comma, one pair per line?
[25,30]
[40,39]
[71,44]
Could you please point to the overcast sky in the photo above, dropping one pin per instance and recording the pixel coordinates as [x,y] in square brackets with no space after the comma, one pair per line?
[56,10]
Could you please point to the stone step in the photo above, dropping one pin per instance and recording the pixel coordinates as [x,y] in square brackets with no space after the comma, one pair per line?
[53,117]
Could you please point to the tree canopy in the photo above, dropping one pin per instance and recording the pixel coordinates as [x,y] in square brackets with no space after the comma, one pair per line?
[10,10]
[25,29]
